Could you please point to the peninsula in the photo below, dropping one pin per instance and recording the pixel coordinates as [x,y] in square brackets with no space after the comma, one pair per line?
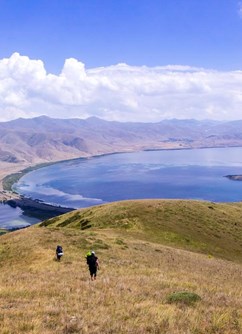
[234,177]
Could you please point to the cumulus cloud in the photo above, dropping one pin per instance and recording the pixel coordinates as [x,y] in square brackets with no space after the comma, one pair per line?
[119,92]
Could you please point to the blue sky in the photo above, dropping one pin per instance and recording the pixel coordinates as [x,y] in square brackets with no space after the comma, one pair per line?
[198,34]
[202,33]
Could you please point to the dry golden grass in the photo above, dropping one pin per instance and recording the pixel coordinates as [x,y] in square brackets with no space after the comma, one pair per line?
[40,295]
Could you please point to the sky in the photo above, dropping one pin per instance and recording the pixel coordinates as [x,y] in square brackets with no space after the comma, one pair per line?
[127,60]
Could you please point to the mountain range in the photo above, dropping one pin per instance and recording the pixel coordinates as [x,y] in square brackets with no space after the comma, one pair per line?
[44,139]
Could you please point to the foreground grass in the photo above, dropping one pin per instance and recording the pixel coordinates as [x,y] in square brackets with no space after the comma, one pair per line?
[130,295]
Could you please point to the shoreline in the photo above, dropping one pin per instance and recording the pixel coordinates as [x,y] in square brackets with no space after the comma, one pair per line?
[12,172]
[30,207]
[39,209]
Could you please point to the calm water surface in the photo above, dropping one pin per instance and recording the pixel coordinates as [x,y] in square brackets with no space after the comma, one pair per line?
[186,174]
[14,218]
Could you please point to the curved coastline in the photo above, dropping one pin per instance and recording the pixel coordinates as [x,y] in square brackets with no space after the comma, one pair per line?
[7,180]
[37,208]
[34,207]
[30,207]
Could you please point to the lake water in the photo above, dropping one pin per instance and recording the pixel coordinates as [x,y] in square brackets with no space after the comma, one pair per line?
[14,218]
[187,174]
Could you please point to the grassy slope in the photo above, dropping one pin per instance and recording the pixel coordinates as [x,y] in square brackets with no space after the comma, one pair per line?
[194,225]
[138,272]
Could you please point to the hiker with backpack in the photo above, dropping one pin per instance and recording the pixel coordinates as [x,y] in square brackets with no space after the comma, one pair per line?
[59,252]
[93,264]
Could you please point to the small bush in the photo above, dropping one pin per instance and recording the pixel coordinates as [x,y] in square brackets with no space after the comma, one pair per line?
[49,222]
[99,244]
[72,219]
[85,224]
[120,242]
[187,298]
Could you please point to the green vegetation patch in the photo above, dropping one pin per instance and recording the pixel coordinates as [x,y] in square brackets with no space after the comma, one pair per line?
[50,222]
[2,231]
[99,244]
[85,224]
[72,219]
[183,297]
[9,180]
[120,242]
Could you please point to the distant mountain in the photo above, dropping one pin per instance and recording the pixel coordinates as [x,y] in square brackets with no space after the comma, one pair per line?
[44,139]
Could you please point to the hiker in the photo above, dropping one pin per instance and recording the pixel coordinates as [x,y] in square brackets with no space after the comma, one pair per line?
[92,262]
[59,252]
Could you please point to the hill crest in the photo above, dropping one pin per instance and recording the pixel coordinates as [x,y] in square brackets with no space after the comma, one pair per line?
[200,226]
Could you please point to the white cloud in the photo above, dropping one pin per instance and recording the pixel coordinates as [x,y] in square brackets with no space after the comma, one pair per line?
[118,92]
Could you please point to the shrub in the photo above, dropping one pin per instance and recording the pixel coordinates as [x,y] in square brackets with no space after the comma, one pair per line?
[183,297]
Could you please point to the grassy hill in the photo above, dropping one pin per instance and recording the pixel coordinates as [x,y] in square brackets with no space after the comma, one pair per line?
[211,228]
[147,250]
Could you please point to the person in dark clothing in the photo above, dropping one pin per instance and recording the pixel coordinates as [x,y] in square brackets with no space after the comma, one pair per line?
[92,262]
[59,252]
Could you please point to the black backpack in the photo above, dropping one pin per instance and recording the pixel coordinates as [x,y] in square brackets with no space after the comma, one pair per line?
[59,250]
[92,260]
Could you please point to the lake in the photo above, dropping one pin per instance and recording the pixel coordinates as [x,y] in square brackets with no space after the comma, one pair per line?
[186,174]
[14,218]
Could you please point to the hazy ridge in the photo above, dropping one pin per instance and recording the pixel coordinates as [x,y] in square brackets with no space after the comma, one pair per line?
[43,139]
